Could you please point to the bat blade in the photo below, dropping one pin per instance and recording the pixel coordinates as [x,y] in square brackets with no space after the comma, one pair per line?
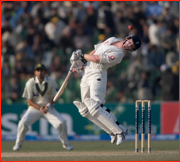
[61,90]
[64,85]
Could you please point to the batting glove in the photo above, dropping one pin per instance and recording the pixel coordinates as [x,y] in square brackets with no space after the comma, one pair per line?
[78,68]
[78,55]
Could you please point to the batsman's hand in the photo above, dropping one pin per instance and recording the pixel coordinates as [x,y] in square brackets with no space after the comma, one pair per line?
[78,56]
[78,68]
[44,109]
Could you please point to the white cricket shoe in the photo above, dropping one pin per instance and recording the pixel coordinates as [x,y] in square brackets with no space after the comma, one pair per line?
[113,138]
[68,147]
[16,147]
[120,138]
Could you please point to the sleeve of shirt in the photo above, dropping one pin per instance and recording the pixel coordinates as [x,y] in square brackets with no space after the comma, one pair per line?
[112,57]
[28,90]
[97,46]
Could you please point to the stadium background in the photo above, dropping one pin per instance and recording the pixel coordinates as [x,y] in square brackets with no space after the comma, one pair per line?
[48,32]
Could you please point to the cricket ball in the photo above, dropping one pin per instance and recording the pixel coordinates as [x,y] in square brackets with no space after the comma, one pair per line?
[130,27]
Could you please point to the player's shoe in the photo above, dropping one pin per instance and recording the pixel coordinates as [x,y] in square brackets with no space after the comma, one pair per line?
[120,138]
[113,138]
[68,147]
[16,147]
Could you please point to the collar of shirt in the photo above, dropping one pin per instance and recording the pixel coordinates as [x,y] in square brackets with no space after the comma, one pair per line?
[44,81]
[113,41]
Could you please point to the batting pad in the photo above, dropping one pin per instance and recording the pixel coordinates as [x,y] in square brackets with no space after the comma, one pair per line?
[83,110]
[103,116]
[115,120]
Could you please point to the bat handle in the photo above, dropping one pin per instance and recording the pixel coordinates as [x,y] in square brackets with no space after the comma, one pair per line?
[72,66]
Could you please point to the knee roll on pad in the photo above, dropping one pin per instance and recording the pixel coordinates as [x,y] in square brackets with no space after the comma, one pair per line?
[93,106]
[83,110]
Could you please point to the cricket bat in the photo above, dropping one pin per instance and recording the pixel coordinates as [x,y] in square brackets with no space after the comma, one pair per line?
[63,86]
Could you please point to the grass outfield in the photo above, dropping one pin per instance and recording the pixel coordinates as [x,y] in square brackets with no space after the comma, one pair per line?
[90,151]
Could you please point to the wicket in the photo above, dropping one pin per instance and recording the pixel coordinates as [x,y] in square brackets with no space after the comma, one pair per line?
[143,121]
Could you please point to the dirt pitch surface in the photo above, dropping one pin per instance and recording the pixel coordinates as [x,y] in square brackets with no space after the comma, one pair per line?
[78,153]
[89,151]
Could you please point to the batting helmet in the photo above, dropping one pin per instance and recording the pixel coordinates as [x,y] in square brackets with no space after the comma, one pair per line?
[136,41]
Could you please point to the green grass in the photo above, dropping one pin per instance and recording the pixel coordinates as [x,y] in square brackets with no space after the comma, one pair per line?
[90,151]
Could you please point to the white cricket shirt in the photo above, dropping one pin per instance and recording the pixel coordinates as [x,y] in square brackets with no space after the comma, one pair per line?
[40,93]
[110,55]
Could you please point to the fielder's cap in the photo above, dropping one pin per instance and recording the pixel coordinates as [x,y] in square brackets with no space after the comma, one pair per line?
[54,19]
[39,66]
[137,41]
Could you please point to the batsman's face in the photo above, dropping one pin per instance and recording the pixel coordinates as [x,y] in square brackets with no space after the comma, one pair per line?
[128,44]
[40,73]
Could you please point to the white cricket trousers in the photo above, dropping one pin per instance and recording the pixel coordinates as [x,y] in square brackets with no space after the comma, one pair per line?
[93,85]
[33,114]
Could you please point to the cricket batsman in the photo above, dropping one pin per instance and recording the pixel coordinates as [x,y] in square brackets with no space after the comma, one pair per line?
[94,81]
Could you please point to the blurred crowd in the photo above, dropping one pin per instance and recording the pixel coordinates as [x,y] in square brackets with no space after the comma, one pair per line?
[48,33]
